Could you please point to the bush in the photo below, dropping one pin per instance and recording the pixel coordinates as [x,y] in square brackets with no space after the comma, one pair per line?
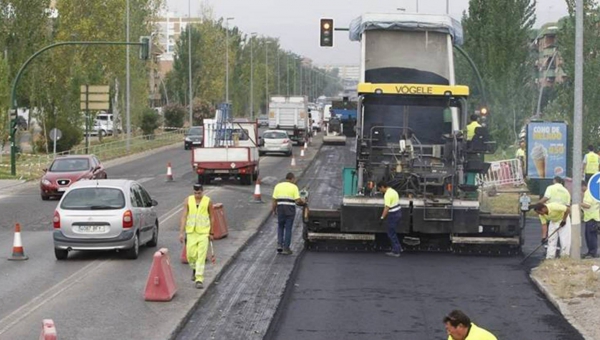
[72,135]
[149,122]
[174,115]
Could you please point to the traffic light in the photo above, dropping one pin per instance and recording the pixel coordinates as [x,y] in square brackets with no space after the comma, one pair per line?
[327,32]
[483,111]
[145,47]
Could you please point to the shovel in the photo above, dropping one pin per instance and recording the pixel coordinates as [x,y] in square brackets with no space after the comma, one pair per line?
[213,259]
[538,247]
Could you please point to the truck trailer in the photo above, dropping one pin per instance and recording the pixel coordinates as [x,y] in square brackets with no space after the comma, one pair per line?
[290,114]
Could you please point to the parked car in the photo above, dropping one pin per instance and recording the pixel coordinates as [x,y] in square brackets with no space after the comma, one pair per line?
[263,121]
[193,137]
[275,141]
[66,170]
[105,215]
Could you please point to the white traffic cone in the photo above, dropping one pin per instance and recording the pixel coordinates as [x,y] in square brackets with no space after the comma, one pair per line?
[302,153]
[169,173]
[305,145]
[293,160]
[17,252]
[256,196]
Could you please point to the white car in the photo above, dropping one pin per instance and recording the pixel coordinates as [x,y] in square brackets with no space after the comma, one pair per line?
[275,141]
[105,215]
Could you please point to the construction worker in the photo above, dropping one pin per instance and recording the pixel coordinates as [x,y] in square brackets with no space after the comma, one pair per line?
[555,218]
[591,163]
[196,225]
[285,198]
[393,212]
[522,157]
[591,216]
[460,327]
[555,193]
[474,124]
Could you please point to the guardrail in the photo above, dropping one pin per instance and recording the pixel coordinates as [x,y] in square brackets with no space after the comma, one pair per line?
[30,166]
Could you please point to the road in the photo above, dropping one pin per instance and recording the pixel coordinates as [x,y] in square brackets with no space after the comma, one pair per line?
[98,295]
[345,295]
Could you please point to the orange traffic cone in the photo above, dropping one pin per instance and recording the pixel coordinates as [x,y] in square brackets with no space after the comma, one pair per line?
[302,153]
[257,197]
[17,253]
[293,160]
[169,173]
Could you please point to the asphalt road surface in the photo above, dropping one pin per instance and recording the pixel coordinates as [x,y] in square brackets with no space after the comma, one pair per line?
[345,295]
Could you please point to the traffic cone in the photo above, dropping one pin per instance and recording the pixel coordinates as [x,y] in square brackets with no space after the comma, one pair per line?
[310,140]
[48,330]
[302,153]
[169,173]
[293,160]
[305,145]
[17,253]
[257,198]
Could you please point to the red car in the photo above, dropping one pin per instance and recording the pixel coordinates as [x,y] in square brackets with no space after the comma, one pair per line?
[66,170]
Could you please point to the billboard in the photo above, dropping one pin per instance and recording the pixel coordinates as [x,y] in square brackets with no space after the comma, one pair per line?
[546,150]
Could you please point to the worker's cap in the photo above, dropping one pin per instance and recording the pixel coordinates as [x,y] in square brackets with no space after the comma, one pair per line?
[198,187]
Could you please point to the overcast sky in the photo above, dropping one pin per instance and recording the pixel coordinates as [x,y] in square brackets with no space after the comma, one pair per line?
[296,22]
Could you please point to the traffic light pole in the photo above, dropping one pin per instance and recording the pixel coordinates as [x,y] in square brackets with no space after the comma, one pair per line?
[13,96]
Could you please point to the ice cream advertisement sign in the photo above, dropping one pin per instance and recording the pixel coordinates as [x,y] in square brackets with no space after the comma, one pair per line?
[546,150]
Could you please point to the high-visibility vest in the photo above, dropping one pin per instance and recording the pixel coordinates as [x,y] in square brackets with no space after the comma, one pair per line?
[471,130]
[392,200]
[198,219]
[592,161]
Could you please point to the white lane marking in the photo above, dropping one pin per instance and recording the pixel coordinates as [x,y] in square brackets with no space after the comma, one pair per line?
[78,276]
[144,180]
[48,295]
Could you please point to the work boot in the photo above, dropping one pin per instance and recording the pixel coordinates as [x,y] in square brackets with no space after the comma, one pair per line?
[199,285]
[287,251]
[193,274]
[392,254]
[279,248]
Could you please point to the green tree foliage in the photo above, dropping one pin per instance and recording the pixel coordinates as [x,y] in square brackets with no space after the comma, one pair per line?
[497,39]
[149,122]
[562,107]
[174,115]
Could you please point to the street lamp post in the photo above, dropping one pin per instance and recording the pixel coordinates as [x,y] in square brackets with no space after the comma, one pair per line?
[127,89]
[191,96]
[417,5]
[266,75]
[227,58]
[252,35]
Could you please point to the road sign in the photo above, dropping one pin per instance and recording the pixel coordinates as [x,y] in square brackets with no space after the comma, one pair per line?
[94,106]
[55,134]
[95,97]
[594,186]
[95,89]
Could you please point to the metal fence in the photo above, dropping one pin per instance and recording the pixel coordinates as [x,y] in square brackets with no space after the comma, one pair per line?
[31,165]
[503,173]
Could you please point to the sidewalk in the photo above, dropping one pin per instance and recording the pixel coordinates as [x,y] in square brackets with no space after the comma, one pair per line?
[6,184]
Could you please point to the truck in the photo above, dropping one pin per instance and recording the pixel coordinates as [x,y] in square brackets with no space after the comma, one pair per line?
[345,110]
[411,118]
[290,114]
[229,150]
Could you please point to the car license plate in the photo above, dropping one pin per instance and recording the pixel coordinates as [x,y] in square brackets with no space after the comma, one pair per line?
[92,228]
[61,189]
[221,171]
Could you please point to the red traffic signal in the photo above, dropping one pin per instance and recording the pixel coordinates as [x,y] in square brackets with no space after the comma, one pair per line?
[327,32]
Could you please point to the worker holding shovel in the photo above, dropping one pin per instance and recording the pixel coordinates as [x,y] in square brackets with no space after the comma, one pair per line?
[556,217]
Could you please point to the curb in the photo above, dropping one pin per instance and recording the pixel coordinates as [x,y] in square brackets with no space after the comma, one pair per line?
[561,306]
[263,220]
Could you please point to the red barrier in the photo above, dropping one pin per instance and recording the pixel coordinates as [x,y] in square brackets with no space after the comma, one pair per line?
[161,283]
[48,330]
[219,221]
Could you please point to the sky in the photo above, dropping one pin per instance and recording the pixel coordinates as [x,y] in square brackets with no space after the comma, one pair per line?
[296,22]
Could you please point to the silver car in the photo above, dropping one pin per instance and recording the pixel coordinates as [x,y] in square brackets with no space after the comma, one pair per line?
[275,141]
[105,215]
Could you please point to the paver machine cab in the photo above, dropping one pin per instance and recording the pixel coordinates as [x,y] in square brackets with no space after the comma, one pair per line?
[411,120]
[334,131]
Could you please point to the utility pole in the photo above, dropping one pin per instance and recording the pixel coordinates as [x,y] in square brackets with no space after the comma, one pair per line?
[417,5]
[189,32]
[577,131]
[127,89]
[266,75]
[287,69]
[252,35]
[227,58]
[448,7]
[278,73]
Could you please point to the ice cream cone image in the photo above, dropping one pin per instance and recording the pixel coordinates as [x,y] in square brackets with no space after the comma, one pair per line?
[539,154]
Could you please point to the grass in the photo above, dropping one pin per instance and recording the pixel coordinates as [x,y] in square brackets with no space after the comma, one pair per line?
[567,276]
[29,166]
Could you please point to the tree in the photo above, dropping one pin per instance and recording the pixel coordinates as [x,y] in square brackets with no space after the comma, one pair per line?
[497,39]
[174,115]
[149,122]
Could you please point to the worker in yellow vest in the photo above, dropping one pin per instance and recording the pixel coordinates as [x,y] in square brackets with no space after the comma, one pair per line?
[285,198]
[196,228]
[522,157]
[591,217]
[460,327]
[474,124]
[591,163]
